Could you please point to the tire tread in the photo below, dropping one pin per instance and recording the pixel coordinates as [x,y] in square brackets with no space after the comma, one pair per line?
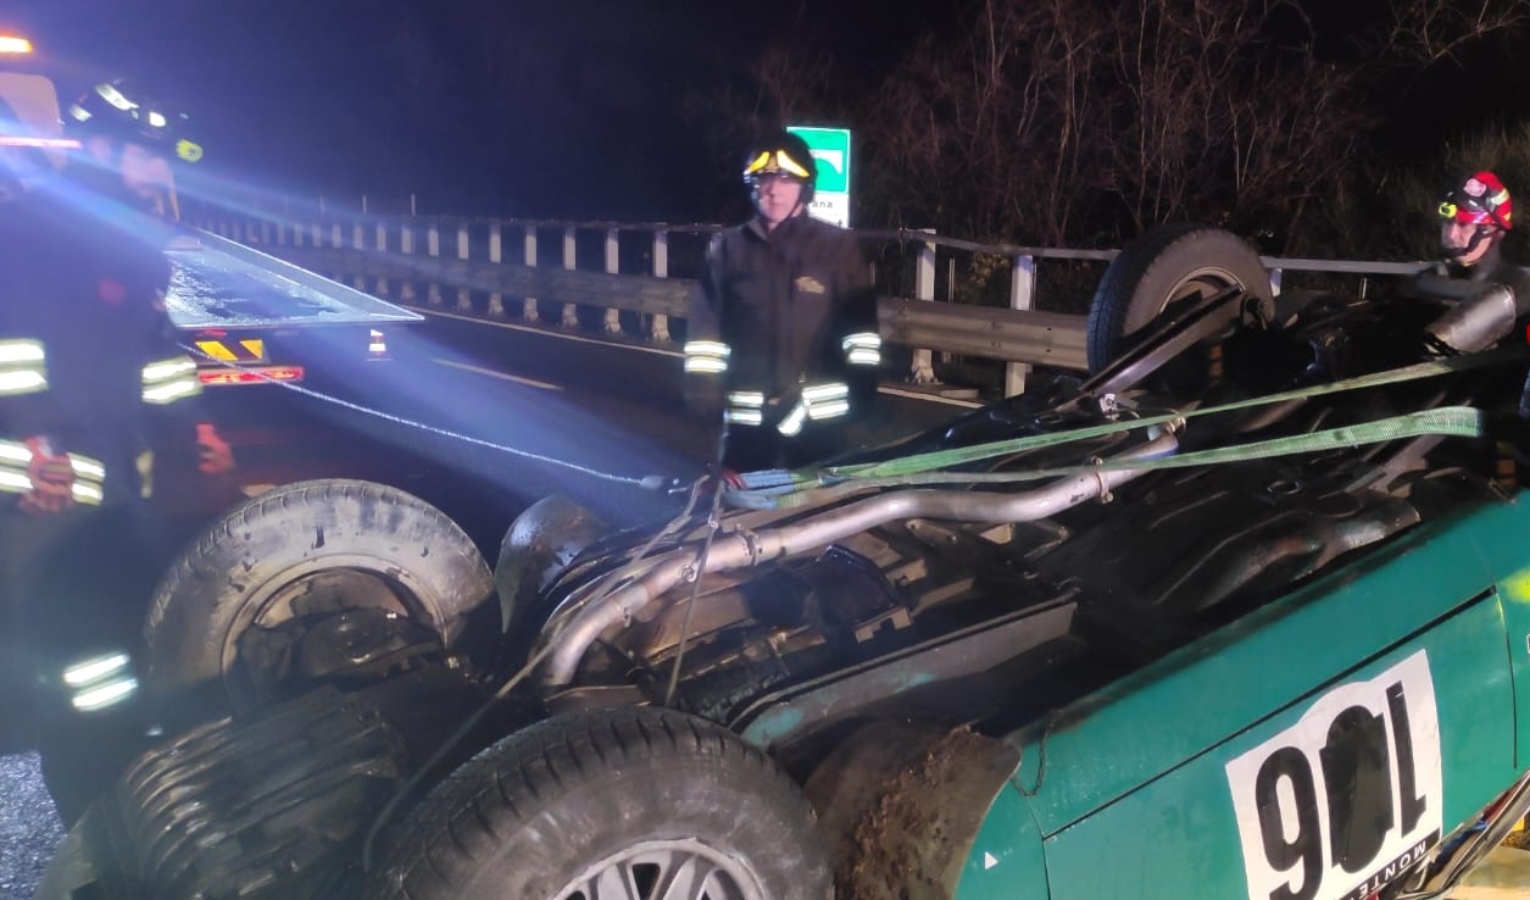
[212,563]
[511,781]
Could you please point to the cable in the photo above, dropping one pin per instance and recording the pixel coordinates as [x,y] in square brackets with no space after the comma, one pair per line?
[690,604]
[413,782]
[446,747]
[713,524]
[652,482]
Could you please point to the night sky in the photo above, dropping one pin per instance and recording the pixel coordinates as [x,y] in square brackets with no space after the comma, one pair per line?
[565,108]
[571,109]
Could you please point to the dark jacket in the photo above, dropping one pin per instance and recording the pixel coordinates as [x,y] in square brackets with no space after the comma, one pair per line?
[1494,268]
[783,304]
[79,275]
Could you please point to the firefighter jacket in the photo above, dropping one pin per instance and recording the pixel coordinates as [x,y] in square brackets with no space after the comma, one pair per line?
[1494,268]
[87,348]
[783,327]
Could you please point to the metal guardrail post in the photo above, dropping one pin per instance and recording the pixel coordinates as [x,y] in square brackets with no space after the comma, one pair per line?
[530,255]
[1022,298]
[923,371]
[316,234]
[358,242]
[406,247]
[336,239]
[381,237]
[496,256]
[570,311]
[464,294]
[659,328]
[613,267]
[433,248]
[1275,281]
[265,231]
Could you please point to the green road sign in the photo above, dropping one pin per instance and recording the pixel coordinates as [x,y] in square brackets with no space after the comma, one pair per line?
[831,148]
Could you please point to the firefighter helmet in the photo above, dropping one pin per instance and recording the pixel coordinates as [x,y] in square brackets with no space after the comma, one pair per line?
[784,154]
[1480,199]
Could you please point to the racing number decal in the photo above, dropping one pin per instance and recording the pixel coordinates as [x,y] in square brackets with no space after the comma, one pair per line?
[1347,798]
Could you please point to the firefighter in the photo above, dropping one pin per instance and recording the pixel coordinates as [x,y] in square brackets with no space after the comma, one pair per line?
[1476,216]
[126,140]
[783,343]
[91,377]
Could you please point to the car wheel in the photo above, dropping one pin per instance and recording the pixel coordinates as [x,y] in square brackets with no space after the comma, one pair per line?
[612,804]
[1160,269]
[300,558]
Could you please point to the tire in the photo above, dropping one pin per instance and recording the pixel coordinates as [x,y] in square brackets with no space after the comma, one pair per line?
[1161,266]
[543,811]
[385,548]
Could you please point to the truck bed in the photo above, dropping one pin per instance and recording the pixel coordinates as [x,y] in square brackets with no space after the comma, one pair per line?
[226,285]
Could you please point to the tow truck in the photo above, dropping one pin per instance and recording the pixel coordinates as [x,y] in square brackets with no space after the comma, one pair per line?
[248,317]
[251,321]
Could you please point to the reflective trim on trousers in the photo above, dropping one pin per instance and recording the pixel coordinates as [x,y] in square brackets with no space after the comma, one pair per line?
[745,408]
[818,402]
[864,348]
[169,380]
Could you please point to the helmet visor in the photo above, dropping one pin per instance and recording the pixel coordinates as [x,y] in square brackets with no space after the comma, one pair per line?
[772,162]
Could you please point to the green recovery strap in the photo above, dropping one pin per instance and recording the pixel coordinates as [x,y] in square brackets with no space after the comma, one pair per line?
[941,459]
[1448,421]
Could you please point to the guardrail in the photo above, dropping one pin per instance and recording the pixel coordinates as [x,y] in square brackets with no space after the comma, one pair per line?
[460,265]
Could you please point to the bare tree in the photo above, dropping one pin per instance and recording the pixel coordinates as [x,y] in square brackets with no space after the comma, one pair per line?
[1432,31]
[1081,121]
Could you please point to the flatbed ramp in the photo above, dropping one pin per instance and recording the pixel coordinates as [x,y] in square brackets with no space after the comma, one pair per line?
[219,283]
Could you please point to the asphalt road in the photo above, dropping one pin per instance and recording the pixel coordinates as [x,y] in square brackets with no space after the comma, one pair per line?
[29,829]
[480,420]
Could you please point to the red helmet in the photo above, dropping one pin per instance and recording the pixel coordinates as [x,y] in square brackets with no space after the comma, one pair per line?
[1479,200]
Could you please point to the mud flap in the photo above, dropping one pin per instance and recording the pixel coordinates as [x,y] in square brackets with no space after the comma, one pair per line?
[904,804]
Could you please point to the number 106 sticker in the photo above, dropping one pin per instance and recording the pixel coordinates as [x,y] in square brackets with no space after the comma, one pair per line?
[1349,797]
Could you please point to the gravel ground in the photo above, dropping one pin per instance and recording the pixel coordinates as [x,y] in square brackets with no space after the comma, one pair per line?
[29,828]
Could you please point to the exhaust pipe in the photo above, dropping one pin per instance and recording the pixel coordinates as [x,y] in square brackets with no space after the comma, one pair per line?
[638,600]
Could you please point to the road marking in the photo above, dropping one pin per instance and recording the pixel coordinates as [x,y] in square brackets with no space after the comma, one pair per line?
[546,386]
[531,329]
[659,351]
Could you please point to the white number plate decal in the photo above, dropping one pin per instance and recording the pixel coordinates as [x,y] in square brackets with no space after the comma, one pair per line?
[1346,799]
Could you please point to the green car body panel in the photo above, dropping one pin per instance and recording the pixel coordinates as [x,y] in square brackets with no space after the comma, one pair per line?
[1310,749]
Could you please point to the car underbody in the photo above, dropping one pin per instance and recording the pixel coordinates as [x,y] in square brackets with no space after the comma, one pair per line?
[933,610]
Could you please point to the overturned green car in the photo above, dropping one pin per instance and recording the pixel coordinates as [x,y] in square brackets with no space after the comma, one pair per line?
[1246,614]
